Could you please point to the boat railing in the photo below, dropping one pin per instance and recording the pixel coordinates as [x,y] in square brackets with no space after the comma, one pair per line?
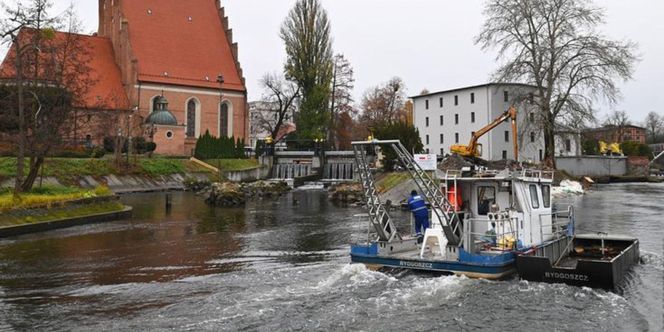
[536,174]
[562,223]
[480,236]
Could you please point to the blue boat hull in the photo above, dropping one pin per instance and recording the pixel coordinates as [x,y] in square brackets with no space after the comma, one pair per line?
[471,265]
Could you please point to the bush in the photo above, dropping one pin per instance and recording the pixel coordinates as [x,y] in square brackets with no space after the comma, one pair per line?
[635,149]
[150,147]
[98,152]
[210,147]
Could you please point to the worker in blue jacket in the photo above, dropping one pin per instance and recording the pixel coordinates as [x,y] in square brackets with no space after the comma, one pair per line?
[419,209]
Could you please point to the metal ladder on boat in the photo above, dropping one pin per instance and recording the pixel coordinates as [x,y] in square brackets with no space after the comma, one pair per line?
[378,215]
[440,205]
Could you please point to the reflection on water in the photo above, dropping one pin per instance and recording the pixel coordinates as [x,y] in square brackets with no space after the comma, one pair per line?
[283,264]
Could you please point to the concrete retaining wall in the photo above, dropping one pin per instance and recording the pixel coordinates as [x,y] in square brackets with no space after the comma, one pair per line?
[593,165]
[249,175]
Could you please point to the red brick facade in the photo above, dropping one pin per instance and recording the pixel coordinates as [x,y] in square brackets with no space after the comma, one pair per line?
[178,49]
[614,134]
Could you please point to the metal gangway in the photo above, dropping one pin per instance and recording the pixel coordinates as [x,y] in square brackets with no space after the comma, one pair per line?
[379,216]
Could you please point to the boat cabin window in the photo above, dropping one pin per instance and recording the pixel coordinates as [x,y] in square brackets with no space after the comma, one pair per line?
[546,196]
[534,199]
[486,196]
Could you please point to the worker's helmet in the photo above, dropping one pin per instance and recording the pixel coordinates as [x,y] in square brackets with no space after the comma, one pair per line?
[413,193]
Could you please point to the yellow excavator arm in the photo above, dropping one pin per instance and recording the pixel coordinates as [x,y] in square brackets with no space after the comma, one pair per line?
[472,149]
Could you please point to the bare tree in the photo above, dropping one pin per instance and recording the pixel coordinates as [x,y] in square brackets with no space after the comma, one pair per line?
[654,124]
[50,73]
[279,102]
[555,46]
[384,103]
[341,96]
[619,120]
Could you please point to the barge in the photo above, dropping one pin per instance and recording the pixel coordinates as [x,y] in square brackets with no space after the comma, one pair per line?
[484,224]
[589,260]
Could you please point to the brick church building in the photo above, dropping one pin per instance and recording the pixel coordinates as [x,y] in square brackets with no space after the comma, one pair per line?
[170,67]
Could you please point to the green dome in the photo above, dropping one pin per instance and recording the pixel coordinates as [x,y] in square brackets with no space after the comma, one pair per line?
[161,115]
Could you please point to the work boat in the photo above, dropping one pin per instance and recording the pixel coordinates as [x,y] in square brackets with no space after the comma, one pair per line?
[481,220]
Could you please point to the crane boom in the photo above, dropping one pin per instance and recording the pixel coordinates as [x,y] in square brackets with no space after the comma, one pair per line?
[471,150]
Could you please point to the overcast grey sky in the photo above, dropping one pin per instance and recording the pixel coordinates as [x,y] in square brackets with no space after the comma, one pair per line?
[428,43]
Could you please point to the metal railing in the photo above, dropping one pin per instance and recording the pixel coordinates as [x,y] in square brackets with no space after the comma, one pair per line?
[504,238]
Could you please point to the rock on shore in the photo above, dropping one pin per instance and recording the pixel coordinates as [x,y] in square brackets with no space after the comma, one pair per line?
[228,194]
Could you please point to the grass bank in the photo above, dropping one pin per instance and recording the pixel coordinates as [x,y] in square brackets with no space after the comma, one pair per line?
[388,181]
[47,196]
[70,169]
[59,213]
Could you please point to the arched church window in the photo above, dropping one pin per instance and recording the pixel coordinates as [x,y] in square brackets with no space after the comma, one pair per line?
[191,118]
[223,120]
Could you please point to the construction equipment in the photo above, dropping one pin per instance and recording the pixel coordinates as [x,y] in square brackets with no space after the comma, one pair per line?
[612,149]
[474,149]
[378,214]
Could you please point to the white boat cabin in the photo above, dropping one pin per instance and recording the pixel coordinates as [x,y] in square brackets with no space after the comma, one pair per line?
[504,210]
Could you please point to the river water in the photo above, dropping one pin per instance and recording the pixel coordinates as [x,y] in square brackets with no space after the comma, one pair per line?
[284,265]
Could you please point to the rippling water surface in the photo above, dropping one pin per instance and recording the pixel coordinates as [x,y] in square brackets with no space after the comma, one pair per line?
[284,265]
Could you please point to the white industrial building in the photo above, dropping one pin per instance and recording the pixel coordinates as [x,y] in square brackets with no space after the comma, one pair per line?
[450,117]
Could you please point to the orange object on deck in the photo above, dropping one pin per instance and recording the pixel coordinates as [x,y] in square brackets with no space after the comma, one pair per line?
[454,196]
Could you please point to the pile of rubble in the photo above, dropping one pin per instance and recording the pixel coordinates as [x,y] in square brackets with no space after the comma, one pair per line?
[456,162]
[346,192]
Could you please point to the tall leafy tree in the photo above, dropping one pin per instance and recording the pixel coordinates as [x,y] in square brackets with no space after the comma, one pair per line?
[555,45]
[306,35]
[404,132]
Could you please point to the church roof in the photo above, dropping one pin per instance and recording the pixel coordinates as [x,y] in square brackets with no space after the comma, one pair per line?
[181,43]
[104,85]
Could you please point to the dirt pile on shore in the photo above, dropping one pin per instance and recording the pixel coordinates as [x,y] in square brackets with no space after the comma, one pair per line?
[346,192]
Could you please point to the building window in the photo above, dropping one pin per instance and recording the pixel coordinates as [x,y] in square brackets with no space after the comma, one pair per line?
[472,117]
[440,100]
[532,116]
[427,139]
[456,118]
[532,137]
[442,140]
[456,137]
[441,120]
[223,120]
[472,97]
[507,135]
[426,104]
[169,134]
[541,155]
[442,151]
[426,121]
[153,103]
[191,118]
[568,145]
[504,154]
[456,100]
[506,96]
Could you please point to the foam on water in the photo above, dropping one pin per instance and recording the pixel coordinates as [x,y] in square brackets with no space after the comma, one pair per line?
[353,275]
